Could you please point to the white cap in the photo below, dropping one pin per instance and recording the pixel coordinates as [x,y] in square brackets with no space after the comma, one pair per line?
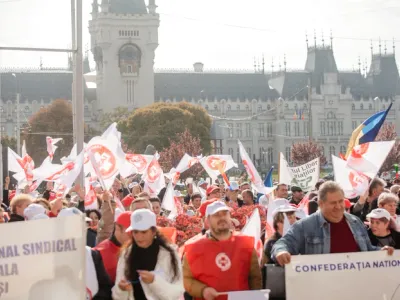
[215,207]
[33,210]
[132,185]
[66,212]
[142,219]
[40,217]
[118,211]
[284,209]
[379,213]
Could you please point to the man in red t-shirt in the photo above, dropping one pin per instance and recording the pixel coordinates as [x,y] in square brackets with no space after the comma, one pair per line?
[330,230]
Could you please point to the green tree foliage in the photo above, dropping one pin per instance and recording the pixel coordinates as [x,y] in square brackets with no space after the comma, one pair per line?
[119,114]
[159,123]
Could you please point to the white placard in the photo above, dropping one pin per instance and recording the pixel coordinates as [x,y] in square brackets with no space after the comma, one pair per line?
[364,275]
[43,259]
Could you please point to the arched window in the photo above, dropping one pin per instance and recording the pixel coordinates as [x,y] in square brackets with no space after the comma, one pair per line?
[129,59]
[215,106]
[383,107]
[249,152]
[270,155]
[331,151]
[361,106]
[370,106]
[353,106]
[259,108]
[343,149]
[322,150]
[238,107]
[229,107]
[247,107]
[288,153]
[268,107]
[206,106]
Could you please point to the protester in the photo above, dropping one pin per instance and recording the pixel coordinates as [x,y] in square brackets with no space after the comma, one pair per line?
[148,267]
[390,203]
[365,204]
[297,195]
[2,216]
[281,191]
[330,230]
[278,224]
[244,186]
[43,202]
[95,215]
[380,233]
[34,212]
[233,197]
[18,205]
[248,197]
[195,201]
[213,191]
[109,249]
[140,203]
[106,224]
[220,261]
[156,205]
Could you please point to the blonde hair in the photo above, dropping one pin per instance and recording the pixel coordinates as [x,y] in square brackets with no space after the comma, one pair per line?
[148,203]
[19,200]
[395,189]
[386,198]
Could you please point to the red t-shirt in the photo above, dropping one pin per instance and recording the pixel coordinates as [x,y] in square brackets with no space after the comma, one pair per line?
[342,239]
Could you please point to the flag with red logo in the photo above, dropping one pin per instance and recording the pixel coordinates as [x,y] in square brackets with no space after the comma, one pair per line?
[51,146]
[90,196]
[353,183]
[185,163]
[169,203]
[369,157]
[22,166]
[215,164]
[154,175]
[134,164]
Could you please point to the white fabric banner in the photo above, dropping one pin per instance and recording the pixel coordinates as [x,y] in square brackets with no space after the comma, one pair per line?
[348,276]
[254,295]
[43,259]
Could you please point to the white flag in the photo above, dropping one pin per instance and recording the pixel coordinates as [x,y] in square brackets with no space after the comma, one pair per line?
[168,202]
[253,228]
[213,163]
[51,146]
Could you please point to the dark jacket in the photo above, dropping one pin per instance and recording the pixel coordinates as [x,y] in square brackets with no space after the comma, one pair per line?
[269,244]
[395,236]
[103,279]
[16,218]
[365,210]
[91,236]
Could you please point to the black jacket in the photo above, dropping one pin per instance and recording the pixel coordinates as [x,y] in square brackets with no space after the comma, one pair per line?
[16,218]
[91,236]
[395,237]
[103,279]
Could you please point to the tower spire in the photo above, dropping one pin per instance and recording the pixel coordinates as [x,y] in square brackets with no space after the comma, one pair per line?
[323,40]
[394,47]
[372,49]
[331,40]
[95,7]
[315,39]
[307,40]
[284,62]
[359,64]
[263,64]
[272,65]
[104,6]
[380,47]
[152,6]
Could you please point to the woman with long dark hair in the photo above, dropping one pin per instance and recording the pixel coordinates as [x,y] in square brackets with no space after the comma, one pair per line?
[148,267]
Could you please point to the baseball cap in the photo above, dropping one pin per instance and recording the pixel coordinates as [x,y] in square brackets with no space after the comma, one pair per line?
[177,194]
[124,219]
[379,213]
[212,189]
[40,217]
[234,186]
[296,189]
[245,183]
[132,185]
[201,182]
[66,212]
[203,206]
[142,219]
[347,203]
[127,201]
[32,210]
[215,207]
[284,209]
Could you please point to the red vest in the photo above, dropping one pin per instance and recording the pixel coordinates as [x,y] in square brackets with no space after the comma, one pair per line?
[109,253]
[223,265]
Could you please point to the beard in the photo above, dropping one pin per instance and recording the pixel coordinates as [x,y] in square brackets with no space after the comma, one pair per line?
[221,228]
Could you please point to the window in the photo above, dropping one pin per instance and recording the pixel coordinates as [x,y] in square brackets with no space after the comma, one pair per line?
[238,107]
[270,155]
[305,128]
[354,124]
[370,106]
[229,107]
[322,128]
[269,129]
[331,151]
[296,129]
[239,130]
[238,158]
[353,106]
[268,107]
[129,69]
[340,128]
[26,108]
[343,149]
[287,154]
[259,108]
[230,130]
[323,150]
[361,106]
[230,152]
[247,107]
[261,127]
[287,128]
[248,130]
[215,106]
[206,106]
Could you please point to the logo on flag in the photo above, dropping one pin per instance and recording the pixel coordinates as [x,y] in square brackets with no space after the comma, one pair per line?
[153,171]
[105,159]
[360,150]
[137,160]
[216,163]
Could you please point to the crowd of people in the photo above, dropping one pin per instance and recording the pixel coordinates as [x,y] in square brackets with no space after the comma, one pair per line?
[134,258]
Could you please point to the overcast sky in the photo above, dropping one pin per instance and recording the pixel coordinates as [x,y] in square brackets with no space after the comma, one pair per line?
[223,34]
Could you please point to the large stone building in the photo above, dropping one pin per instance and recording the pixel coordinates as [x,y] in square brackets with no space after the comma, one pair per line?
[267,111]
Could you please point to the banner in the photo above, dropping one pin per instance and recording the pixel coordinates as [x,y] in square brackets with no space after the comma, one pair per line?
[43,259]
[304,176]
[348,276]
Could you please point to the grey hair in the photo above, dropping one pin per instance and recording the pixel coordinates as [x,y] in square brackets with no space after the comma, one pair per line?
[328,187]
[385,198]
[375,183]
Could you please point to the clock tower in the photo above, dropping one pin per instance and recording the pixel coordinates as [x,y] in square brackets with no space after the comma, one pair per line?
[124,37]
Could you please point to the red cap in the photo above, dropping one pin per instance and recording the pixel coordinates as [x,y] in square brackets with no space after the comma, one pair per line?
[53,196]
[127,201]
[124,219]
[211,189]
[347,203]
[203,206]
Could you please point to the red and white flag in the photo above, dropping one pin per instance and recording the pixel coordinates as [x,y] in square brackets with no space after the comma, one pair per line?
[214,164]
[169,203]
[134,164]
[51,146]
[90,196]
[368,158]
[253,228]
[154,175]
[185,163]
